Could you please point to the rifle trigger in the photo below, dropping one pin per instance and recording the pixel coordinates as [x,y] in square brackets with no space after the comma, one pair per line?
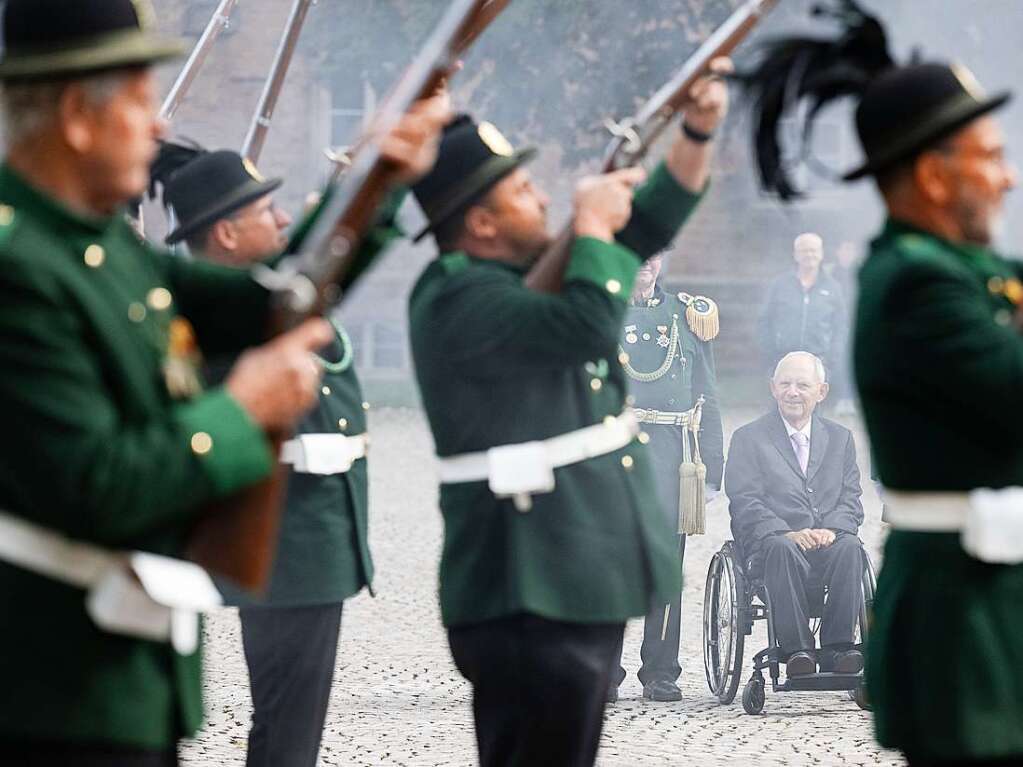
[626,130]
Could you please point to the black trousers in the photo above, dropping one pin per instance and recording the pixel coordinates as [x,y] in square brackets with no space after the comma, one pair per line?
[662,634]
[60,754]
[539,688]
[794,579]
[290,652]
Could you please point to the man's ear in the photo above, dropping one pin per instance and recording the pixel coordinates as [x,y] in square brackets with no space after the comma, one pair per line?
[931,176]
[825,388]
[225,235]
[75,119]
[480,223]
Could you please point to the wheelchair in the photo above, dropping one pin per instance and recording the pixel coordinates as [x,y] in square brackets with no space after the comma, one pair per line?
[733,601]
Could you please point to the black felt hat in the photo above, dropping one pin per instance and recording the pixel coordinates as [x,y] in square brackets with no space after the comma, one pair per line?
[210,187]
[471,159]
[909,108]
[46,39]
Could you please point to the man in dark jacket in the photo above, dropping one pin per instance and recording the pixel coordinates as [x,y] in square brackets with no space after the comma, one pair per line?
[794,498]
[805,311]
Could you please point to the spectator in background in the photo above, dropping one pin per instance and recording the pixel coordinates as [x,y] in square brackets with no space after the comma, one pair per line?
[805,311]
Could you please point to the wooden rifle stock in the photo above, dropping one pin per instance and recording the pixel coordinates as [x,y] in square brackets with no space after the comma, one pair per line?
[260,125]
[634,137]
[217,24]
[237,537]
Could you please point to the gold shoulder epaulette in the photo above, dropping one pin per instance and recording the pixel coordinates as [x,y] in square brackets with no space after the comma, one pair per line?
[701,316]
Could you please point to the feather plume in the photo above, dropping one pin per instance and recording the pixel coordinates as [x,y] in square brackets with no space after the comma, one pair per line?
[172,157]
[813,70]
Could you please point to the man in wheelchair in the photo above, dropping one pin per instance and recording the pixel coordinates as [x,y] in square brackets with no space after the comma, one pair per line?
[794,499]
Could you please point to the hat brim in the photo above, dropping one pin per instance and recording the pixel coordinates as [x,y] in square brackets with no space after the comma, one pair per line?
[940,126]
[245,195]
[474,187]
[113,51]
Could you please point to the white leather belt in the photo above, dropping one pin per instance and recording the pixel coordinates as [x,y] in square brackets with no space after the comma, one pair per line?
[662,417]
[133,593]
[990,522]
[527,468]
[324,453]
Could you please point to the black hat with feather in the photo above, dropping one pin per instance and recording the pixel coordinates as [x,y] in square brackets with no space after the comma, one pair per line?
[902,109]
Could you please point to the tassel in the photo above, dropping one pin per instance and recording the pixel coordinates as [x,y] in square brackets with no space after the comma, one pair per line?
[692,498]
[692,492]
[702,316]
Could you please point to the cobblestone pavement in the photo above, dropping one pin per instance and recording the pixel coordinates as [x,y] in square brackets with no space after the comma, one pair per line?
[397,699]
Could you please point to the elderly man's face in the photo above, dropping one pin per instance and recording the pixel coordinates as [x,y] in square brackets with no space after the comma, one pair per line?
[980,178]
[798,389]
[808,253]
[117,140]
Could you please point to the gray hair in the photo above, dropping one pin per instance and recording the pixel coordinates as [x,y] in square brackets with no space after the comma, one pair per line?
[818,366]
[28,107]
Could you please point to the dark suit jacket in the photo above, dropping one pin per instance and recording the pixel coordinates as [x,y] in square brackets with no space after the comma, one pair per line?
[768,493]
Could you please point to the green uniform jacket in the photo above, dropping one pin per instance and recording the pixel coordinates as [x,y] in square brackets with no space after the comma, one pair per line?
[940,373]
[323,552]
[95,447]
[497,364]
[646,340]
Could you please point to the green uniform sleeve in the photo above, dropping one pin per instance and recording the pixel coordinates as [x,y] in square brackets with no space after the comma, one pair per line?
[227,308]
[82,464]
[498,324]
[659,209]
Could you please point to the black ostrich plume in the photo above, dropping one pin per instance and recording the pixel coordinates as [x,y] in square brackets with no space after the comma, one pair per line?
[172,157]
[815,71]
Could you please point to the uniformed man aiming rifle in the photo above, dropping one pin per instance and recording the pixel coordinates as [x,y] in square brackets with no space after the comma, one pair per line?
[939,365]
[111,445]
[553,533]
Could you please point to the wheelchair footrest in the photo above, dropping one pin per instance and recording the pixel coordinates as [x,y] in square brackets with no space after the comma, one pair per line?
[820,682]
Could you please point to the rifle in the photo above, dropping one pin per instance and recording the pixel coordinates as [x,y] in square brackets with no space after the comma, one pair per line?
[633,137]
[481,17]
[260,125]
[237,537]
[217,24]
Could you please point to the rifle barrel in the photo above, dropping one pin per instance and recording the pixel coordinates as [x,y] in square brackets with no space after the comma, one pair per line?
[260,125]
[217,24]
[547,273]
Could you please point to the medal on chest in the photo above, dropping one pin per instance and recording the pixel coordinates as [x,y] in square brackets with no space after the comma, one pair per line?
[630,334]
[182,361]
[662,337]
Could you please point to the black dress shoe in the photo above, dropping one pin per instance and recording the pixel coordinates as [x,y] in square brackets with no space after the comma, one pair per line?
[800,664]
[662,691]
[848,662]
[612,694]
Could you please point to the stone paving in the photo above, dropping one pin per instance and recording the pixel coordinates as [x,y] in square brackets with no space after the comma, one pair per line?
[397,699]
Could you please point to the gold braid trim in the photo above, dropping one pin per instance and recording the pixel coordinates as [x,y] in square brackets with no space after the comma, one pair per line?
[669,358]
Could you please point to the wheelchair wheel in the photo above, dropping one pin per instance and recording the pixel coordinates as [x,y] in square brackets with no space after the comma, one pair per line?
[753,696]
[723,633]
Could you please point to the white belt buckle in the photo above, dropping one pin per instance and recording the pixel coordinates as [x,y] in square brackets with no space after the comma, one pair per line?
[993,531]
[321,454]
[520,471]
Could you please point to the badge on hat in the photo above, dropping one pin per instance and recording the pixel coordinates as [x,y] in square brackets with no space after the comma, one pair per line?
[144,12]
[495,140]
[969,81]
[252,170]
